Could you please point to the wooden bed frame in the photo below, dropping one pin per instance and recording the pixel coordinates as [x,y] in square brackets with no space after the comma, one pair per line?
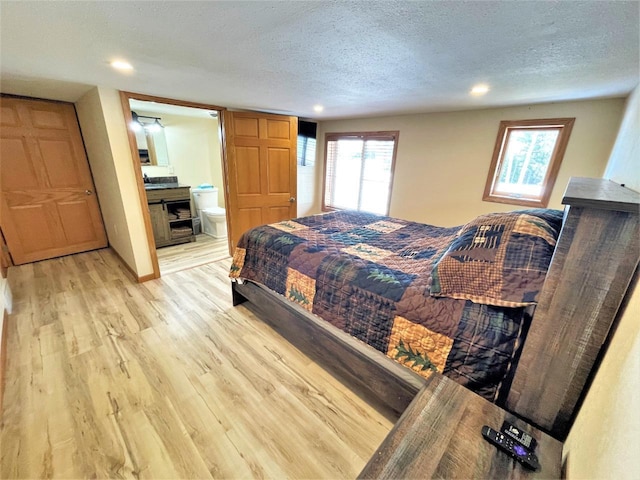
[595,259]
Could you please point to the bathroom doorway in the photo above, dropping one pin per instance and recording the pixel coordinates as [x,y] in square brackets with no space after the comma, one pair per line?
[178,152]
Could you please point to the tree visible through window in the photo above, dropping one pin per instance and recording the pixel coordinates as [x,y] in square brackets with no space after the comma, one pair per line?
[526,160]
[359,171]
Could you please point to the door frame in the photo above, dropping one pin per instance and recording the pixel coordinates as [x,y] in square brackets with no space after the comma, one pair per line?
[142,196]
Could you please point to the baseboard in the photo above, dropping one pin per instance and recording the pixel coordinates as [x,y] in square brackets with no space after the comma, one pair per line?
[125,264]
[3,355]
[134,274]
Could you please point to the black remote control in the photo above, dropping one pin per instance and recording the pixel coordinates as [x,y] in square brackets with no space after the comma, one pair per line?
[511,447]
[519,436]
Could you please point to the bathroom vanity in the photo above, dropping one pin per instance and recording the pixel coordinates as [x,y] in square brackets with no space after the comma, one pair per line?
[170,211]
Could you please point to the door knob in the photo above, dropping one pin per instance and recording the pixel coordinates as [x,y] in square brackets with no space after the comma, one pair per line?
[88,192]
[292,199]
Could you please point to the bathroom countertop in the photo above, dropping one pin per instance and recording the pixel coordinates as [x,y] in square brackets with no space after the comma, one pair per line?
[161,183]
[162,186]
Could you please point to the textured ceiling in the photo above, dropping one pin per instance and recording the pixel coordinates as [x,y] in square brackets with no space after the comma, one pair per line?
[355,58]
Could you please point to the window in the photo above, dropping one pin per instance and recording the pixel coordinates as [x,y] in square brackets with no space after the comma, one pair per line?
[359,171]
[306,143]
[526,160]
[306,151]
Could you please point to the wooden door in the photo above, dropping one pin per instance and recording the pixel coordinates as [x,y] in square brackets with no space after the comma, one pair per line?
[261,170]
[49,207]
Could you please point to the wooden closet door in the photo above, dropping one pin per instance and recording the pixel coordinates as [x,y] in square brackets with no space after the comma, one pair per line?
[49,207]
[261,170]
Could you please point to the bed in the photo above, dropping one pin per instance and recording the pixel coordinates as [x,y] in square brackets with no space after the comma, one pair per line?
[387,302]
[396,285]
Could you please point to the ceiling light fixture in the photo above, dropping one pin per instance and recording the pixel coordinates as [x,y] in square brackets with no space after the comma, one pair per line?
[318,108]
[121,65]
[155,126]
[479,89]
[150,124]
[135,124]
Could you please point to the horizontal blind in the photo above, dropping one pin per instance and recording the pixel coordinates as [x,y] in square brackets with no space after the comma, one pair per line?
[344,159]
[306,151]
[358,172]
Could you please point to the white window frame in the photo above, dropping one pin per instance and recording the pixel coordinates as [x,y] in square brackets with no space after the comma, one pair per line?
[386,135]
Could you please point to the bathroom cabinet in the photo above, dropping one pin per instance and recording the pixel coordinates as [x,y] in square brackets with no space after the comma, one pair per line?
[170,212]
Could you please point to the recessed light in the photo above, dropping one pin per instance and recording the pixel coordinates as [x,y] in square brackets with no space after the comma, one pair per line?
[121,65]
[479,90]
[318,108]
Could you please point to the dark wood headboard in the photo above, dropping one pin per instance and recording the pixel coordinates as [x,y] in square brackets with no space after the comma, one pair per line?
[595,259]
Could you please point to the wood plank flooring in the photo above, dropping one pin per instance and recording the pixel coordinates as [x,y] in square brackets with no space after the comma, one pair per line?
[204,250]
[112,379]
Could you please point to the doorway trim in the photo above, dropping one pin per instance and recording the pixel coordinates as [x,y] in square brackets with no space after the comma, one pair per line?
[142,196]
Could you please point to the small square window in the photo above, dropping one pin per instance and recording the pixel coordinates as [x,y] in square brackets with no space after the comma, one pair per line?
[526,160]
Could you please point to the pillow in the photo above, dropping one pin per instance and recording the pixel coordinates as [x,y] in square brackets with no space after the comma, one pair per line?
[499,259]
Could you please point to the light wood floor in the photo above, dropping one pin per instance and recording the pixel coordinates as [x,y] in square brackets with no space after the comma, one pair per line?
[205,249]
[111,379]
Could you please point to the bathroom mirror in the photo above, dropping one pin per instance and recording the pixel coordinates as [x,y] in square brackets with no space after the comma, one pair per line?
[152,147]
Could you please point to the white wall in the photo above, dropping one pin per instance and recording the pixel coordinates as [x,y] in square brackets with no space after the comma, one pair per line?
[96,141]
[624,165]
[5,304]
[6,299]
[307,189]
[194,150]
[106,141]
[3,284]
[603,442]
[443,159]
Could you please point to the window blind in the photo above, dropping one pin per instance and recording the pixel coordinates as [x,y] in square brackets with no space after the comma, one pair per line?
[359,171]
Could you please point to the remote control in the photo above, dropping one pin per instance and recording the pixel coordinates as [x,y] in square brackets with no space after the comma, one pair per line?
[511,447]
[519,436]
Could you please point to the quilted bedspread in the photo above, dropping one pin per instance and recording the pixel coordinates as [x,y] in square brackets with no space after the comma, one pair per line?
[371,277]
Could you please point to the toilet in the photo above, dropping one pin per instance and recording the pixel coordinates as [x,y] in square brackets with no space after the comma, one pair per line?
[212,217]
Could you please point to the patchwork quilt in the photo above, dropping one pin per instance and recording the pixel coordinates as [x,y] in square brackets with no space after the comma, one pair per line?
[373,277]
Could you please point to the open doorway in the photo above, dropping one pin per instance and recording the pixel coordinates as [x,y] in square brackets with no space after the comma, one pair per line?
[178,152]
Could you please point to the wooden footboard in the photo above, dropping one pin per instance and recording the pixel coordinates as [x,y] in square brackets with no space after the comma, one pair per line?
[363,368]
